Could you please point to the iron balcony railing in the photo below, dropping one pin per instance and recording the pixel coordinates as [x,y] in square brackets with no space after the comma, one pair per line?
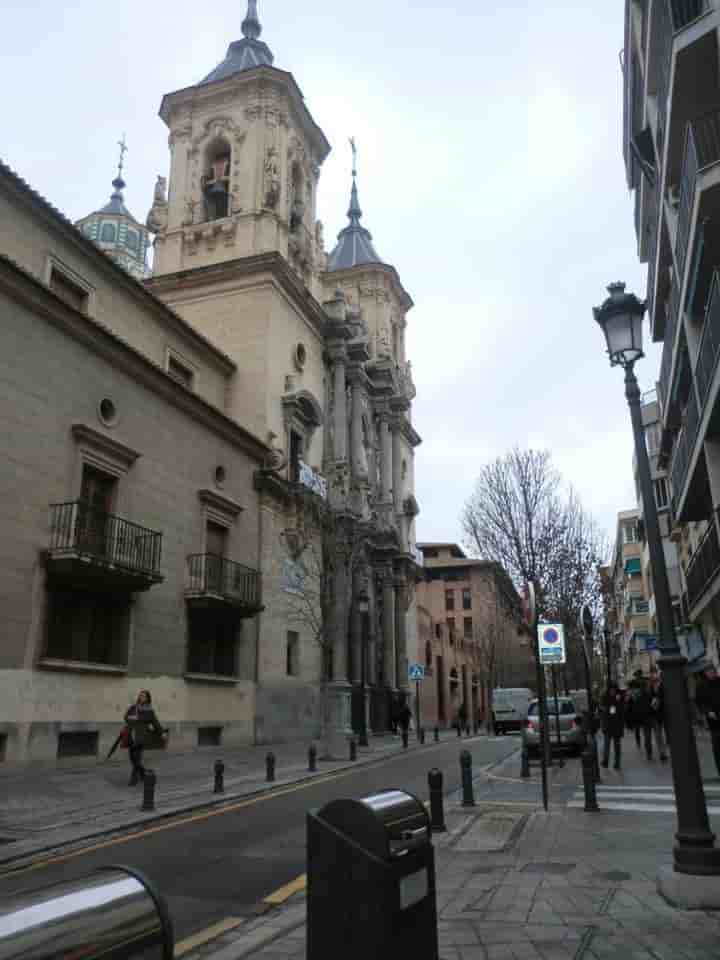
[683,449]
[709,342]
[77,527]
[668,345]
[209,573]
[704,565]
[702,149]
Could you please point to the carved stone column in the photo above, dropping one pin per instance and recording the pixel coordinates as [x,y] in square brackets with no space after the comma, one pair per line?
[386,458]
[396,463]
[338,718]
[401,606]
[340,411]
[357,450]
[389,664]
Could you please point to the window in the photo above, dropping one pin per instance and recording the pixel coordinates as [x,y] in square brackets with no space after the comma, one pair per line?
[467,628]
[449,599]
[107,233]
[466,598]
[451,629]
[212,642]
[131,240]
[437,631]
[180,371]
[216,181]
[293,654]
[296,454]
[70,292]
[661,492]
[77,743]
[87,627]
[209,736]
[652,438]
[630,532]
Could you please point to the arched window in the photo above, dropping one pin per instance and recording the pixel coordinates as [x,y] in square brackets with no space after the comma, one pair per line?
[216,180]
[107,233]
[131,240]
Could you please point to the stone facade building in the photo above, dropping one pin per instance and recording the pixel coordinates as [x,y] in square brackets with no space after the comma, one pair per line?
[174,422]
[470,634]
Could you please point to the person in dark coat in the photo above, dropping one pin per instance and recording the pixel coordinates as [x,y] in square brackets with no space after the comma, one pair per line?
[141,721]
[707,701]
[632,719]
[404,717]
[657,714]
[613,724]
[461,722]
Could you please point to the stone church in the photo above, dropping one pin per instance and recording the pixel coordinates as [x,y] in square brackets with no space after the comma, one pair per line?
[152,509]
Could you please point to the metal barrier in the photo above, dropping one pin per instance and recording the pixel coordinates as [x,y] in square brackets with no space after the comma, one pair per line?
[113,913]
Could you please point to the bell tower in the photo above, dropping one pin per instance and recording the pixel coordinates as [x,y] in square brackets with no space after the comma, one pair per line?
[245,158]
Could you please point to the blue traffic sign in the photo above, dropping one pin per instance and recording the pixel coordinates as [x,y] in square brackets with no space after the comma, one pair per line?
[416,671]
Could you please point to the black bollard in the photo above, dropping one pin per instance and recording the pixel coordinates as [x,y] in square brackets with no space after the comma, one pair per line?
[421,734]
[436,733]
[312,758]
[270,767]
[459,730]
[149,781]
[588,771]
[437,815]
[353,748]
[405,739]
[219,777]
[524,763]
[468,797]
[467,730]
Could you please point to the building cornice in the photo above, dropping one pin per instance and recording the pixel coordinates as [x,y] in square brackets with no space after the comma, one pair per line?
[334,277]
[26,289]
[198,278]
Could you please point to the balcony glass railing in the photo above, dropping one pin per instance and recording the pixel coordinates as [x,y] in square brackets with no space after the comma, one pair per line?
[685,11]
[212,574]
[77,527]
[683,450]
[710,342]
[668,345]
[702,149]
[704,565]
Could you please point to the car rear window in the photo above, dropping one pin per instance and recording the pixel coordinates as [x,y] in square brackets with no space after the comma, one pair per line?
[567,707]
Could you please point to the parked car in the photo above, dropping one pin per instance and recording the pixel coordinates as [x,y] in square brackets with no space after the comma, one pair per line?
[572,736]
[509,708]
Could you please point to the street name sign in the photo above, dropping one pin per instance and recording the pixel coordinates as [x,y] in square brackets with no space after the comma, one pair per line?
[416,671]
[551,643]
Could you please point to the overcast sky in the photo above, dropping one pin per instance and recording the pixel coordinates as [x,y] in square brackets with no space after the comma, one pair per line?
[490,175]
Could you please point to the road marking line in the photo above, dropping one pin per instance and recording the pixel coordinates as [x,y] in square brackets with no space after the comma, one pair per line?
[284,893]
[209,933]
[639,807]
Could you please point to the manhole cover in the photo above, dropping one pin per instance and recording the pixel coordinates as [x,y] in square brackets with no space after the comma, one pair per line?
[548,867]
[616,876]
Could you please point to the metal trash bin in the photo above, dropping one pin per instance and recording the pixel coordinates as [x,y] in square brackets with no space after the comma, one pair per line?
[371,880]
[113,913]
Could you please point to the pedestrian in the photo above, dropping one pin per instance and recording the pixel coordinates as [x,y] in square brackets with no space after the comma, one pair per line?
[632,713]
[141,721]
[657,714]
[461,722]
[613,723]
[404,717]
[708,703]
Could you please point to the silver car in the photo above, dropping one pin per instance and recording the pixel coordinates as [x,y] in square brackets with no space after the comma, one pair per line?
[572,736]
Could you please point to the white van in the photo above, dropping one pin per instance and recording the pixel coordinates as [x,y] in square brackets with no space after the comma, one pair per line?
[510,707]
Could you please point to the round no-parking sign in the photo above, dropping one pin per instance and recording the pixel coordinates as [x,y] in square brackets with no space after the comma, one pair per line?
[551,642]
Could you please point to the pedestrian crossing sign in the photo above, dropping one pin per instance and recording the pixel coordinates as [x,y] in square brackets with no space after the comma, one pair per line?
[416,671]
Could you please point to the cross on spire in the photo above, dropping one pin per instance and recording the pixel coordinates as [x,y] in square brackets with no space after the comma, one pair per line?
[354,212]
[118,182]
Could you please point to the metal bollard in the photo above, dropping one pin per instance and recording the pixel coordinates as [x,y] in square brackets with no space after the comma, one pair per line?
[219,777]
[421,734]
[437,734]
[588,771]
[353,748]
[437,814]
[270,767]
[524,763]
[459,730]
[149,781]
[467,730]
[405,739]
[468,797]
[312,758]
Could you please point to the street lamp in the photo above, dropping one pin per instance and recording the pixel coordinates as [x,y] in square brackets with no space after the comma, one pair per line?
[620,318]
[363,605]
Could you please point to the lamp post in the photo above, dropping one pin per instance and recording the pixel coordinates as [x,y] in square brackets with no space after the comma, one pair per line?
[363,605]
[620,318]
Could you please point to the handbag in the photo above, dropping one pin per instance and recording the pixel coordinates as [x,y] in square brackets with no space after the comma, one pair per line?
[125,738]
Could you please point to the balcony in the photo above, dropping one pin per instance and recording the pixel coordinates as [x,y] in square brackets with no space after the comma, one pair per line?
[684,447]
[685,11]
[704,565]
[666,365]
[96,550]
[214,581]
[702,150]
[709,343]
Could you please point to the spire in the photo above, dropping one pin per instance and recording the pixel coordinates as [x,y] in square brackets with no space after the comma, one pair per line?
[118,182]
[354,212]
[251,27]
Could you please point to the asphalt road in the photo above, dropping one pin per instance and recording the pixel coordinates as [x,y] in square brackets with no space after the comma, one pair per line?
[218,864]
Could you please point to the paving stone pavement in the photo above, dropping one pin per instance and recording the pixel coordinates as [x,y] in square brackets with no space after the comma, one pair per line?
[564,885]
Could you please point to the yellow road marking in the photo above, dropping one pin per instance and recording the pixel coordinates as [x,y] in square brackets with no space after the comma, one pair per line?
[284,893]
[209,933]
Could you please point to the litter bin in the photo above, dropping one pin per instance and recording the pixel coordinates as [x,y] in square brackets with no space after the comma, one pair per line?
[371,880]
[114,913]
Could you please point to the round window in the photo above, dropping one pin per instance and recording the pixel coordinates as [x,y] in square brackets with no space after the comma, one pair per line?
[108,412]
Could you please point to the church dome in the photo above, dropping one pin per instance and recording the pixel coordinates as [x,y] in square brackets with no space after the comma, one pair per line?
[245,54]
[355,243]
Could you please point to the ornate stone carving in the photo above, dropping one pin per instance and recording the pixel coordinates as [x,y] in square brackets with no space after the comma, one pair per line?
[319,236]
[157,218]
[272,179]
[276,460]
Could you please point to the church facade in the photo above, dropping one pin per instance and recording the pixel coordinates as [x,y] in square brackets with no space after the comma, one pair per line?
[153,538]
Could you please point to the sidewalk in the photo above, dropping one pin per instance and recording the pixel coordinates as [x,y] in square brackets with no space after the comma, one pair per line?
[42,809]
[515,883]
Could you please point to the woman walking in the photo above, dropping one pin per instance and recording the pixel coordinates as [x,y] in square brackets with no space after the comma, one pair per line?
[613,724]
[141,721]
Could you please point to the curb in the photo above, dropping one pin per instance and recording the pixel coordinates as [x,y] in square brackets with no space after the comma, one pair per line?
[251,940]
[18,861]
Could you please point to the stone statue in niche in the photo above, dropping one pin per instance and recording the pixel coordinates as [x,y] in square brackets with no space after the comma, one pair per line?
[157,219]
[272,179]
[319,237]
[383,348]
